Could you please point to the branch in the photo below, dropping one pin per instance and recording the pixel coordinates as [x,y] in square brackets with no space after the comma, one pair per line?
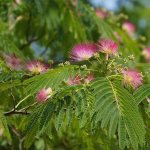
[22,111]
[47,46]
[20,138]
[14,112]
[30,41]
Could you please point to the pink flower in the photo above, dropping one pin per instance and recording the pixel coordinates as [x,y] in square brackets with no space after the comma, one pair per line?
[88,78]
[74,80]
[107,46]
[43,94]
[101,13]
[82,51]
[36,67]
[146,53]
[132,78]
[129,28]
[12,62]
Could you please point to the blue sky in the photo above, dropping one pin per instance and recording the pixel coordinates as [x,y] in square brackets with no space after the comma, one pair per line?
[108,4]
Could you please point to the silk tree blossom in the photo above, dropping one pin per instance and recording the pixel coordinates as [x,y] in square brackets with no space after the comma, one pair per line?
[12,62]
[83,51]
[132,78]
[43,94]
[100,13]
[36,67]
[74,80]
[146,53]
[107,46]
[129,28]
[88,78]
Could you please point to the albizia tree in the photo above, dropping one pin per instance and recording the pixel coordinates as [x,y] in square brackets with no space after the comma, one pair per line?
[72,77]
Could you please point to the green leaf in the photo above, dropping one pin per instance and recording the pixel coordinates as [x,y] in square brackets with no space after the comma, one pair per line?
[52,78]
[112,97]
[141,93]
[4,125]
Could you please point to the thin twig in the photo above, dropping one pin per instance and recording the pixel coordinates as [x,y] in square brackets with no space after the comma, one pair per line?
[13,112]
[11,92]
[47,46]
[20,138]
[27,107]
[30,41]
[22,111]
[22,101]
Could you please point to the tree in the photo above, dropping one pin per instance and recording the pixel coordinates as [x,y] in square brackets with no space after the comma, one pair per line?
[72,77]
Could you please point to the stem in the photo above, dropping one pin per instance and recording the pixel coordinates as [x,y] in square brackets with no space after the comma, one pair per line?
[20,138]
[98,60]
[115,75]
[90,62]
[11,92]
[27,107]
[107,56]
[15,112]
[22,111]
[22,100]
[91,70]
[111,62]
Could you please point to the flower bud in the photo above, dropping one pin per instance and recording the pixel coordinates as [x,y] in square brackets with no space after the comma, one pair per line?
[43,94]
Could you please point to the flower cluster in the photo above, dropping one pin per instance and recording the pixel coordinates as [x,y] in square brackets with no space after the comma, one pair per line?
[79,80]
[100,13]
[85,51]
[34,66]
[132,77]
[146,53]
[12,62]
[82,51]
[107,46]
[129,28]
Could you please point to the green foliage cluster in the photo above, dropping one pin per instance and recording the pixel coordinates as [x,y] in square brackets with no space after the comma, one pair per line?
[103,114]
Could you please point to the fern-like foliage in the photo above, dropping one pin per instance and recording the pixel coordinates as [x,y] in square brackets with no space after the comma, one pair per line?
[52,78]
[141,93]
[116,109]
[106,103]
[68,103]
[7,46]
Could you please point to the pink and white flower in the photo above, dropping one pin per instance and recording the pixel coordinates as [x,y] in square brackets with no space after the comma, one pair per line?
[82,51]
[146,53]
[107,46]
[12,62]
[88,78]
[36,67]
[129,28]
[132,77]
[43,94]
[74,80]
[102,14]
